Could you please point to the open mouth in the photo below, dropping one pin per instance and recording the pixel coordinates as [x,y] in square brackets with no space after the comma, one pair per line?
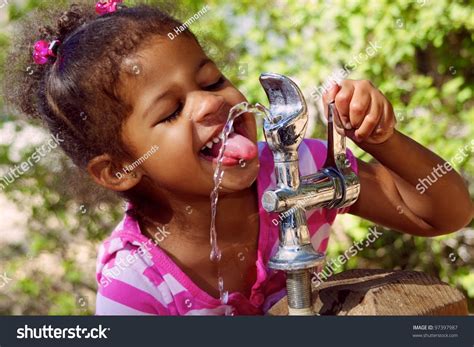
[238,148]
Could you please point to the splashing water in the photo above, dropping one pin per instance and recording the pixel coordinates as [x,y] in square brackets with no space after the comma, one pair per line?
[234,112]
[224,294]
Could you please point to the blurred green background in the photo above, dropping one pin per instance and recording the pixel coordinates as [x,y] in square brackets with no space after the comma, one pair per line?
[51,225]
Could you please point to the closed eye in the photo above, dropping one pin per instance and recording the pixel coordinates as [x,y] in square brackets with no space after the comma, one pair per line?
[216,85]
[172,116]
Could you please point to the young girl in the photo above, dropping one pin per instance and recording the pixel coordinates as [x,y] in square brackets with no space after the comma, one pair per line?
[142,113]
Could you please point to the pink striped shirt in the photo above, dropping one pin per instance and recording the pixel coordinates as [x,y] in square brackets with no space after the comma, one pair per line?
[136,277]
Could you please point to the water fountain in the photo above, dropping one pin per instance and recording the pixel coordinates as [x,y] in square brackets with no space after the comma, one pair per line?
[335,185]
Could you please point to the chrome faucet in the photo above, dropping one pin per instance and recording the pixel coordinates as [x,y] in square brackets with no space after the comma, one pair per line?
[335,185]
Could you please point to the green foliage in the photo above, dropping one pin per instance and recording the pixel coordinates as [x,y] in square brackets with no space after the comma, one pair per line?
[424,67]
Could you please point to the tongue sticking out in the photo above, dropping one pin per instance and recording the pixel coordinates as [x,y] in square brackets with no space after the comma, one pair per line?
[237,147]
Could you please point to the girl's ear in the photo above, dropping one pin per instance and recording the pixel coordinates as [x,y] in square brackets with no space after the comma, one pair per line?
[104,172]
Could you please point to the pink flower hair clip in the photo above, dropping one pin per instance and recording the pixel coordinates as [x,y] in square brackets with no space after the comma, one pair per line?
[108,6]
[43,50]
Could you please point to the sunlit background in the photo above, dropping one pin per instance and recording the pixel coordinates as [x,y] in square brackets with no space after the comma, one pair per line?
[51,222]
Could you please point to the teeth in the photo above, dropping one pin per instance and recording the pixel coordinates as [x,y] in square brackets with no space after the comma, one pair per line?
[217,139]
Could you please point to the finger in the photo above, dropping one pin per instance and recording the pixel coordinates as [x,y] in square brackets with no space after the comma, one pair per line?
[330,94]
[343,100]
[385,126]
[370,122]
[390,119]
[387,118]
[359,106]
[379,128]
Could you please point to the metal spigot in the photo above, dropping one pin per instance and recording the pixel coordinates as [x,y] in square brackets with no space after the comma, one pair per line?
[334,186]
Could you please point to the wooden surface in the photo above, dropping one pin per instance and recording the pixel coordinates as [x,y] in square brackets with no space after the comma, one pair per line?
[382,292]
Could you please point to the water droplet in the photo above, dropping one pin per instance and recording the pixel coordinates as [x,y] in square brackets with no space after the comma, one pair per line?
[224,294]
[242,162]
[216,254]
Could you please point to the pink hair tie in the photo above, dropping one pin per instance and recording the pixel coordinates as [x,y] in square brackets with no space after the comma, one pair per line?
[108,6]
[43,50]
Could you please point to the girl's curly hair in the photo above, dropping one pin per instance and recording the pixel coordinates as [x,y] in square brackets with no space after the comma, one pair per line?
[78,95]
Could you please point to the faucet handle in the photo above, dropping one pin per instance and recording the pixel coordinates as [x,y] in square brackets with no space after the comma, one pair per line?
[336,145]
[337,162]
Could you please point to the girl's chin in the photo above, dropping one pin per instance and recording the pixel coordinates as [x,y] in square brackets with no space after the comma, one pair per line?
[238,178]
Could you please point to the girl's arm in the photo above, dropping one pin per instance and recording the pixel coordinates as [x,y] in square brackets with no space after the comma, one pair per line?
[396,191]
[389,194]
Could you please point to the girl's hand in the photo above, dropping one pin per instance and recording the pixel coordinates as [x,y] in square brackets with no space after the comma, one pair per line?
[365,112]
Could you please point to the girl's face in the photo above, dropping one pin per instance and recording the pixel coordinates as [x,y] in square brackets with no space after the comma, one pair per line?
[180,103]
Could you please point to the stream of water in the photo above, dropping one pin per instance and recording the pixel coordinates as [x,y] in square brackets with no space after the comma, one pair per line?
[234,112]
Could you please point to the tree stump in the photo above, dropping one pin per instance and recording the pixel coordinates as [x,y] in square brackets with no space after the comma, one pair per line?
[382,292]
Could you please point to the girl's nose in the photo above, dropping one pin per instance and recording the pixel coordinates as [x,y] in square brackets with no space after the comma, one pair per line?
[207,107]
